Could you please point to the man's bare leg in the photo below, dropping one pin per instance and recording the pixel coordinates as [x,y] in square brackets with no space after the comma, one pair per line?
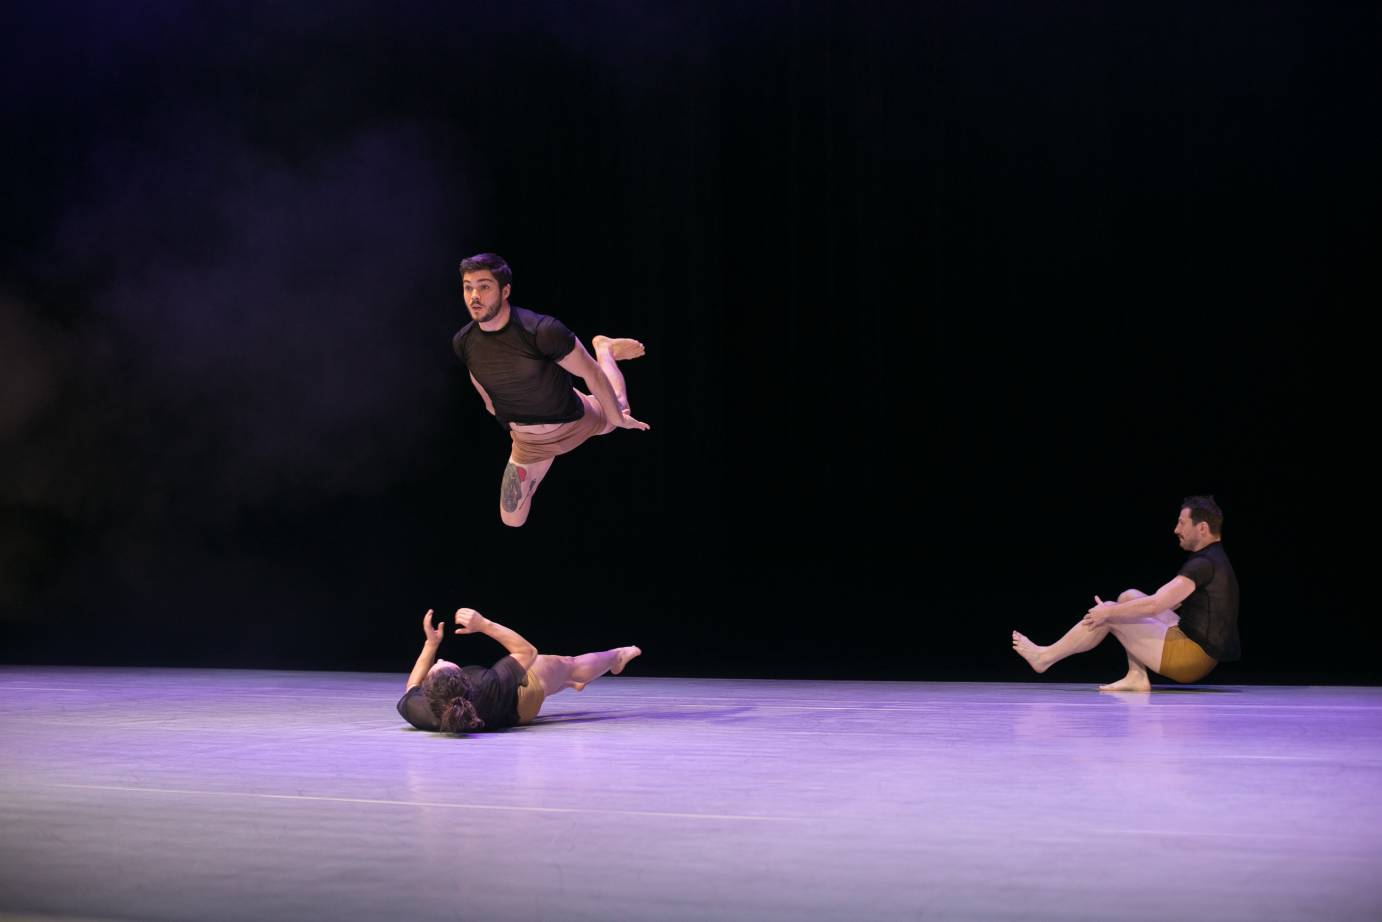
[609,353]
[560,672]
[1146,638]
[1135,681]
[1142,641]
[517,488]
[1078,639]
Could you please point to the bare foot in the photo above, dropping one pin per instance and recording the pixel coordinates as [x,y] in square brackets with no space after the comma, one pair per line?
[1133,681]
[620,349]
[625,654]
[1029,651]
[578,686]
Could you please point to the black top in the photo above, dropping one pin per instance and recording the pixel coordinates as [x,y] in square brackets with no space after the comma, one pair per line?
[494,692]
[1209,616]
[517,367]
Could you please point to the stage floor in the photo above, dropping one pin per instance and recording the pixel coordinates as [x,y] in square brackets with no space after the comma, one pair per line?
[207,794]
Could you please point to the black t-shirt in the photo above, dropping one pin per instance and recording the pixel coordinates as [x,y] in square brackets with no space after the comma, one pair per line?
[1209,615]
[494,692]
[517,367]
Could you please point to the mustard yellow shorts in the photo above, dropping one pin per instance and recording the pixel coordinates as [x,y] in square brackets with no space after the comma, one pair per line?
[1182,659]
[532,444]
[530,698]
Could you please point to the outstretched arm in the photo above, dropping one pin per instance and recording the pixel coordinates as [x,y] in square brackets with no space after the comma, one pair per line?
[1164,599]
[428,656]
[581,364]
[472,622]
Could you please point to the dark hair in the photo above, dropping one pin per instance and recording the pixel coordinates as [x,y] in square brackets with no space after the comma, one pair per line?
[1204,509]
[448,695]
[491,262]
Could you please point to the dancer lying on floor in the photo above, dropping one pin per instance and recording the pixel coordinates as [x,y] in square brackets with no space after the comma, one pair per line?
[1184,630]
[457,699]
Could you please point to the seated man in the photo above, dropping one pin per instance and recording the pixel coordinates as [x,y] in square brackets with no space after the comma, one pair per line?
[1184,630]
[454,699]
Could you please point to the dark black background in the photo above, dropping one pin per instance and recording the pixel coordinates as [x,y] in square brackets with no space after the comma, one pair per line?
[946,306]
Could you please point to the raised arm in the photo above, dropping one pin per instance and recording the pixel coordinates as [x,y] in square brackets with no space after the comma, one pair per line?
[428,656]
[582,364]
[472,622]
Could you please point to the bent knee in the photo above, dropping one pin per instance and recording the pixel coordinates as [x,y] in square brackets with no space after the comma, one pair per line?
[516,518]
[1129,594]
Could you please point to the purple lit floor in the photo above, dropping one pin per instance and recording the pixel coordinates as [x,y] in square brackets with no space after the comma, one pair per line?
[202,794]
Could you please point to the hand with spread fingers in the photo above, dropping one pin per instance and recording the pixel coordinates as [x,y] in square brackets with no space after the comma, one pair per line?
[434,633]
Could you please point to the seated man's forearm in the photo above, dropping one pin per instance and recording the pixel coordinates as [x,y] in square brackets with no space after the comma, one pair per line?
[1135,609]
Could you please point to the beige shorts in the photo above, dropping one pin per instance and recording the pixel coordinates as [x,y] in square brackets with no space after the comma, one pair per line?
[532,444]
[530,698]
[1183,660]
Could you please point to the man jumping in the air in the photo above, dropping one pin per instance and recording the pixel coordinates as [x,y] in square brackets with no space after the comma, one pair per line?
[521,362]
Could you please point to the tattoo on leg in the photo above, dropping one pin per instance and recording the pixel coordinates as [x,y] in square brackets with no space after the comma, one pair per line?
[511,490]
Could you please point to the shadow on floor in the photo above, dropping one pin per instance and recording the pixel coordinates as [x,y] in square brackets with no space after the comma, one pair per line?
[1195,690]
[576,717]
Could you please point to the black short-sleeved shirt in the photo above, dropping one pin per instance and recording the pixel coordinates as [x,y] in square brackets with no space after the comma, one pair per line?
[517,367]
[1209,615]
[494,694]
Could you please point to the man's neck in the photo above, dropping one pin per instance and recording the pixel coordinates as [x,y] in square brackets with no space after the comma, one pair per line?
[499,321]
